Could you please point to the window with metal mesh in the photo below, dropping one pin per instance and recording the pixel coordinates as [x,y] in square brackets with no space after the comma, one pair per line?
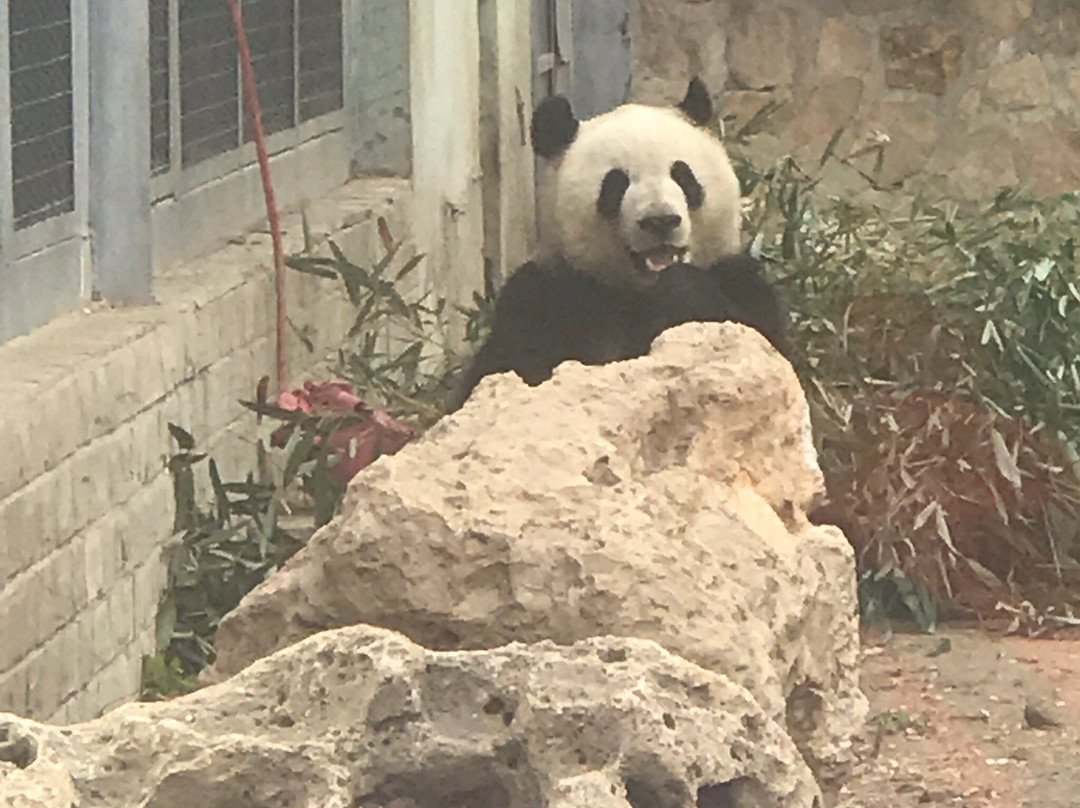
[42,121]
[209,92]
[295,83]
[159,86]
[270,32]
[320,58]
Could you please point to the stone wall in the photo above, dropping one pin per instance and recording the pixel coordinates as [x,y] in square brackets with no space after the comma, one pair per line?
[85,498]
[960,97]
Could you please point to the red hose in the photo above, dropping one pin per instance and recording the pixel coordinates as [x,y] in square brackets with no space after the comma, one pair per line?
[251,98]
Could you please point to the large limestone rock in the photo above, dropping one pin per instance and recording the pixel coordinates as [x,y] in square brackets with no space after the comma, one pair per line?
[661,498]
[363,717]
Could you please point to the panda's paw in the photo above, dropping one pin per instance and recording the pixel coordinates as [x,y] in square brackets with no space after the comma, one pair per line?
[684,280]
[685,293]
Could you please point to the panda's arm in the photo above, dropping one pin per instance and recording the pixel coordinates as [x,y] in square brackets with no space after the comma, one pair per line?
[523,337]
[733,289]
[754,301]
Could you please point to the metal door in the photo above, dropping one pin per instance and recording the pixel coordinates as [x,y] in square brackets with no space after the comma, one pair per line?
[581,49]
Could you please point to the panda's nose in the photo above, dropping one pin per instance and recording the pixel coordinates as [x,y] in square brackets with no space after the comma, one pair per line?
[661,224]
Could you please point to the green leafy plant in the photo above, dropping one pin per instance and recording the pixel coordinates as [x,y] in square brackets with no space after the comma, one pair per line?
[397,351]
[893,722]
[328,435]
[886,594]
[940,353]
[216,556]
[322,435]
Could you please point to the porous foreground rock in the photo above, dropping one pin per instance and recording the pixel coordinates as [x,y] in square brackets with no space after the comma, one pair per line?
[661,498]
[363,717]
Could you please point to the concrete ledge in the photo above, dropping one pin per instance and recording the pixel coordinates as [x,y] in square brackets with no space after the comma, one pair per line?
[85,500]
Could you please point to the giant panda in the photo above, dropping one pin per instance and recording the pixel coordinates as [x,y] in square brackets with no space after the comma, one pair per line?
[639,221]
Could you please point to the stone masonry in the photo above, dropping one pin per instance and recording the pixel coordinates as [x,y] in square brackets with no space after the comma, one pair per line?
[956,98]
[85,498]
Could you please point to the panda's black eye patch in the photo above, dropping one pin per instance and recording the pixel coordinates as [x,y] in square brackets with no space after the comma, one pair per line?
[612,191]
[684,176]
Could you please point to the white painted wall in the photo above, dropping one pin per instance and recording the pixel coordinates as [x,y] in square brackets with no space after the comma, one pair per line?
[445,97]
[514,182]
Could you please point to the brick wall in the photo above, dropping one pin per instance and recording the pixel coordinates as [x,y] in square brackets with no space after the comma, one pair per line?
[85,499]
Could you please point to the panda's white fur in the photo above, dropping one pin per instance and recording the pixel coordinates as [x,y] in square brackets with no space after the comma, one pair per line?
[641,140]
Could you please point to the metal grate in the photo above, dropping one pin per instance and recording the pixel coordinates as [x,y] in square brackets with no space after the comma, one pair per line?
[320,58]
[160,154]
[270,32]
[209,92]
[42,131]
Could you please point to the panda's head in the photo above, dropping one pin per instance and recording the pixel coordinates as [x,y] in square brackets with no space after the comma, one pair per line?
[633,190]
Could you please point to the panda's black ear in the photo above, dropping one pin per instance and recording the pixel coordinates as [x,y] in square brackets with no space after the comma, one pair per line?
[697,104]
[554,126]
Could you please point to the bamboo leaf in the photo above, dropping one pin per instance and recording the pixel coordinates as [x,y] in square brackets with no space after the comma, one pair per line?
[1006,463]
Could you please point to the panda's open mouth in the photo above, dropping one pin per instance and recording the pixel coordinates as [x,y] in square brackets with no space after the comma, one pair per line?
[659,258]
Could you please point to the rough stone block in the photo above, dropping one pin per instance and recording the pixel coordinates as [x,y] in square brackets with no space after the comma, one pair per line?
[112,623]
[148,520]
[761,48]
[1054,29]
[606,501]
[1019,84]
[119,680]
[53,672]
[21,531]
[875,7]
[200,350]
[923,57]
[19,637]
[606,722]
[170,352]
[1001,18]
[13,693]
[1049,151]
[148,584]
[45,597]
[15,448]
[964,160]
[101,649]
[913,129]
[57,427]
[829,107]
[144,457]
[844,50]
[103,544]
[84,705]
[84,626]
[1074,83]
[227,381]
[121,610]
[142,362]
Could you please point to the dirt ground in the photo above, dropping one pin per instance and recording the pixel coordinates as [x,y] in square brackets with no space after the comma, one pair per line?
[951,717]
